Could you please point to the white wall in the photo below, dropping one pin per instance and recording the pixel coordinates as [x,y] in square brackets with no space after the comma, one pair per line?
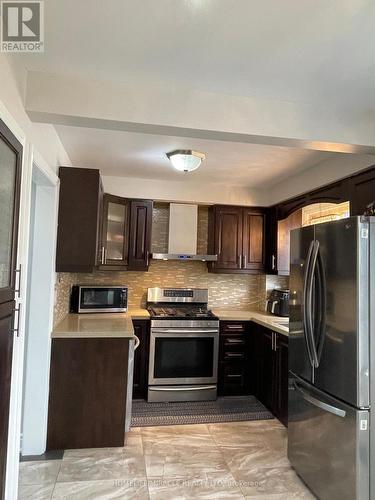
[204,193]
[43,136]
[176,110]
[39,319]
[41,143]
[320,175]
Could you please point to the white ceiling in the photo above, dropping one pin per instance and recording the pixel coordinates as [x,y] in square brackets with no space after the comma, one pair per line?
[311,51]
[298,50]
[125,154]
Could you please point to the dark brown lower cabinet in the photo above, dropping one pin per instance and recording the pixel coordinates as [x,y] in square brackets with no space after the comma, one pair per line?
[282,379]
[88,393]
[270,365]
[234,375]
[141,358]
[267,372]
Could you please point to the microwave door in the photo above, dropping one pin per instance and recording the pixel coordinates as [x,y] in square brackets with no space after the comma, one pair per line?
[102,299]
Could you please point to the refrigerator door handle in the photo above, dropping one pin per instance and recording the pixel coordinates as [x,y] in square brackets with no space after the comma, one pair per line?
[322,291]
[305,304]
[320,404]
[309,302]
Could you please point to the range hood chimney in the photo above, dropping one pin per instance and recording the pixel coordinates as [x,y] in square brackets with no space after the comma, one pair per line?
[183,233]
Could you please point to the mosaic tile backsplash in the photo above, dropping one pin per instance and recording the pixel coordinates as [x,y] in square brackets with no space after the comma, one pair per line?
[231,291]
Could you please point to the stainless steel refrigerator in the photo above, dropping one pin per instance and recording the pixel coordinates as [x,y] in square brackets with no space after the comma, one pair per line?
[331,358]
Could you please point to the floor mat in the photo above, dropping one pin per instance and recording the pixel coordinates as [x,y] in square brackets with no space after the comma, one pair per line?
[227,409]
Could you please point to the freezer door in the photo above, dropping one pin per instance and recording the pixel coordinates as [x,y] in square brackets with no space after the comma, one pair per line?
[328,443]
[342,369]
[300,361]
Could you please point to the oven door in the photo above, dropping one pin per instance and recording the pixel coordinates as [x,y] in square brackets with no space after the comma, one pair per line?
[183,356]
[102,299]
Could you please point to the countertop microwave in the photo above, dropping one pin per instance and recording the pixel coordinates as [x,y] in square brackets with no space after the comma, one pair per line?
[98,299]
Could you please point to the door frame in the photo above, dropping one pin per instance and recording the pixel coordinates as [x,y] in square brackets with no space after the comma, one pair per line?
[30,156]
[37,330]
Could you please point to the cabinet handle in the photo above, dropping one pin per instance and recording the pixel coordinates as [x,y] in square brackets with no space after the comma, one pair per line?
[273,262]
[18,311]
[234,341]
[240,259]
[235,327]
[273,341]
[276,347]
[234,354]
[234,376]
[137,342]
[245,261]
[102,256]
[17,289]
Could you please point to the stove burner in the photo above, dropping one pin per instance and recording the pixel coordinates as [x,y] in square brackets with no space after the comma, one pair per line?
[179,304]
[180,312]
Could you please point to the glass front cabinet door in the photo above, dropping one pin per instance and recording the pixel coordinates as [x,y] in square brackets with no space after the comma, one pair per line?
[114,249]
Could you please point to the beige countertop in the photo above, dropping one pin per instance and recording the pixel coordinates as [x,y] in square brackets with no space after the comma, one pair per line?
[275,323]
[119,325]
[138,313]
[109,325]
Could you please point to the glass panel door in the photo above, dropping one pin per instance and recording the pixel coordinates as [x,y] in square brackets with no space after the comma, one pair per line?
[9,199]
[10,174]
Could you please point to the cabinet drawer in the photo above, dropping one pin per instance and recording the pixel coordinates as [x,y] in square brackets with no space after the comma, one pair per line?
[233,347]
[233,326]
[234,356]
[233,379]
[234,341]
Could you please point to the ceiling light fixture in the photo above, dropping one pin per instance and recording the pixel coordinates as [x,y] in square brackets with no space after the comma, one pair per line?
[185,160]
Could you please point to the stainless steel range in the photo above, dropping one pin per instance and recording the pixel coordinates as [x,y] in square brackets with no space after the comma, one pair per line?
[184,345]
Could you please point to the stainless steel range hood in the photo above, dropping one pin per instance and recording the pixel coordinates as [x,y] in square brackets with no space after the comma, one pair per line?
[183,234]
[181,256]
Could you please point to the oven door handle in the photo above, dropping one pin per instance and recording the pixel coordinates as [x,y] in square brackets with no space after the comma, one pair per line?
[184,388]
[182,330]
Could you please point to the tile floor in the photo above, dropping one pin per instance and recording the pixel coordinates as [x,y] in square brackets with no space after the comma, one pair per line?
[209,461]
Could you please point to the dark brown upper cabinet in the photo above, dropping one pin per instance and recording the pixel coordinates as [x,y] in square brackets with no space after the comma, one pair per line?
[362,189]
[100,231]
[115,233]
[140,234]
[253,239]
[79,220]
[294,221]
[271,240]
[236,235]
[226,237]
